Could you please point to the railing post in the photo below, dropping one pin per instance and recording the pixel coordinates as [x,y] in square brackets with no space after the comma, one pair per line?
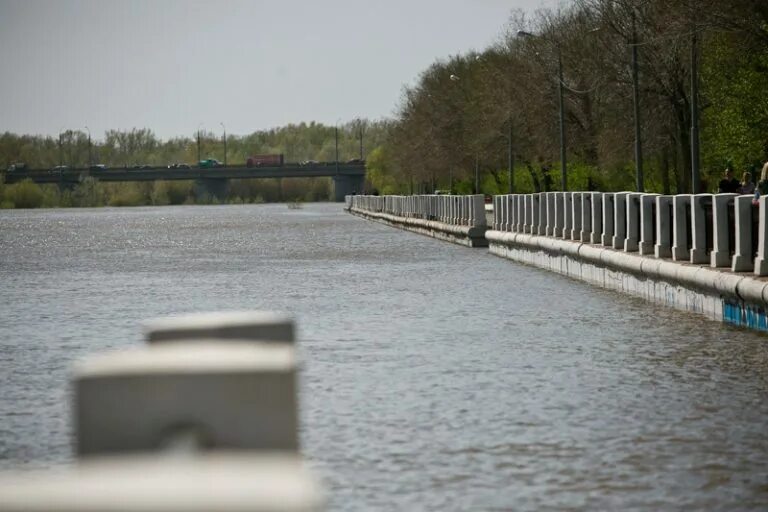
[575,216]
[633,222]
[721,240]
[542,199]
[662,247]
[567,214]
[528,210]
[586,216]
[761,261]
[743,259]
[619,219]
[557,231]
[681,226]
[699,252]
[509,216]
[597,217]
[478,207]
[520,198]
[606,238]
[550,227]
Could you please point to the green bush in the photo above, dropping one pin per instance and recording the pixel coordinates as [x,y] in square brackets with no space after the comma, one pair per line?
[25,194]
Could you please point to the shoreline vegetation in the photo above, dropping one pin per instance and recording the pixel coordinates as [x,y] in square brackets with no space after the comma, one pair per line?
[91,193]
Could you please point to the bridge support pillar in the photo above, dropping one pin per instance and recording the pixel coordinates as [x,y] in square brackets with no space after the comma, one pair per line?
[212,189]
[347,185]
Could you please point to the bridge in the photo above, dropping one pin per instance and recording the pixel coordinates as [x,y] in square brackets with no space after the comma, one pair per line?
[348,178]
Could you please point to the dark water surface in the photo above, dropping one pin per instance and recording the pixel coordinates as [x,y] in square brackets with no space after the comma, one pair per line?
[435,377]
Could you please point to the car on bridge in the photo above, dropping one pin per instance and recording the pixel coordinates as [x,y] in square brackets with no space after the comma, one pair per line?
[179,166]
[98,167]
[209,163]
[18,166]
[58,169]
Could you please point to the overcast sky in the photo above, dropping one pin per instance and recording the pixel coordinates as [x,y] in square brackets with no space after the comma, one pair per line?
[174,66]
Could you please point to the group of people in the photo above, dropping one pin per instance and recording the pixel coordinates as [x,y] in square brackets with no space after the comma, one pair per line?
[729,184]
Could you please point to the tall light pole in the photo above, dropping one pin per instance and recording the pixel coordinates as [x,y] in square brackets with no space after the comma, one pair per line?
[336,139]
[225,143]
[90,154]
[61,147]
[695,172]
[511,162]
[360,133]
[563,161]
[198,143]
[636,97]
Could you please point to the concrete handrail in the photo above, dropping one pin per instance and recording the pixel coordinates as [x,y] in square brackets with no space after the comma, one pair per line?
[448,209]
[716,230]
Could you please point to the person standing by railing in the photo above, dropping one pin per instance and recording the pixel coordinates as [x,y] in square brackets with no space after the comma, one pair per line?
[747,186]
[728,184]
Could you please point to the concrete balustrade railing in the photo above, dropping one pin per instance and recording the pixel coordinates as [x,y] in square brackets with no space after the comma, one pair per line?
[460,219]
[714,230]
[217,390]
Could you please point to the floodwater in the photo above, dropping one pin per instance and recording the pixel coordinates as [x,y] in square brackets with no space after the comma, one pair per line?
[434,377]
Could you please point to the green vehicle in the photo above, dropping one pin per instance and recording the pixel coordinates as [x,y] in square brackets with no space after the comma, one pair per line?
[209,163]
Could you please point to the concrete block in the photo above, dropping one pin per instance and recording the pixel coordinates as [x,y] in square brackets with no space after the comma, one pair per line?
[586,217]
[542,220]
[550,225]
[632,239]
[227,395]
[619,219]
[239,325]
[722,205]
[557,231]
[534,223]
[681,227]
[576,216]
[567,215]
[700,203]
[743,260]
[647,223]
[224,482]
[606,237]
[597,218]
[663,246]
[761,260]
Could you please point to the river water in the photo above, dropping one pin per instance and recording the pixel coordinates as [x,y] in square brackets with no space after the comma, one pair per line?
[434,377]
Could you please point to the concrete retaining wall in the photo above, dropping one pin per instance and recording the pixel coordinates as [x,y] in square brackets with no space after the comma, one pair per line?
[457,219]
[702,253]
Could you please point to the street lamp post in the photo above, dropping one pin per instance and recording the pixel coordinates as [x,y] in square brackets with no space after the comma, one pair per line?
[198,142]
[636,97]
[90,154]
[336,142]
[61,147]
[695,172]
[360,133]
[563,163]
[511,162]
[225,143]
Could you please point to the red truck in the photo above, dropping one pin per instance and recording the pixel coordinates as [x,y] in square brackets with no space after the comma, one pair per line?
[264,161]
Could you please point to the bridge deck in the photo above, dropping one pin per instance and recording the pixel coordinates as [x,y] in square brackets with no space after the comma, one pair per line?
[163,173]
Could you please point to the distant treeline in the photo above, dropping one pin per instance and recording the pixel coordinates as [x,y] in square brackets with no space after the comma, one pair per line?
[298,143]
[467,110]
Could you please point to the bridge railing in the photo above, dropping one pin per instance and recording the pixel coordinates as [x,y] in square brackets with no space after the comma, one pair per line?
[446,209]
[718,230]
